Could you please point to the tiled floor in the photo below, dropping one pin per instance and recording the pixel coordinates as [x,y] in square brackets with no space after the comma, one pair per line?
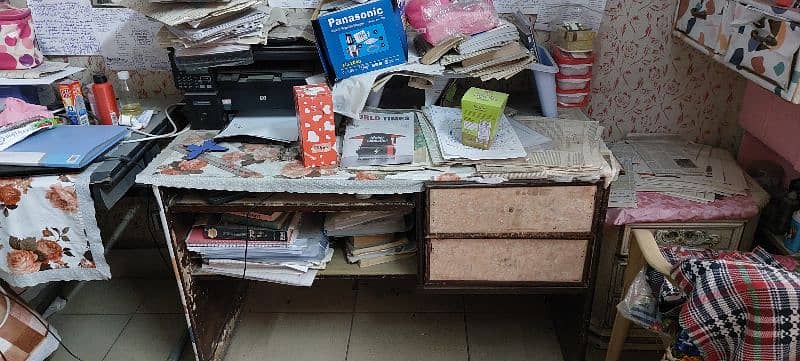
[334,320]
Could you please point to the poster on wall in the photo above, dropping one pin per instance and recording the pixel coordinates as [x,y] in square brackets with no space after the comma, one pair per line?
[125,38]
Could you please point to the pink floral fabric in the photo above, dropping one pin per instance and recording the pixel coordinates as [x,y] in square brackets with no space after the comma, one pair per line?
[45,233]
[656,207]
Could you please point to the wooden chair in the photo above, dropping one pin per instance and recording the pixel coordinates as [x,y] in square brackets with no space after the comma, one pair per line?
[643,249]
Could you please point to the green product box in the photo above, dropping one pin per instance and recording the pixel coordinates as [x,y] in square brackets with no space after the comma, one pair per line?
[480,116]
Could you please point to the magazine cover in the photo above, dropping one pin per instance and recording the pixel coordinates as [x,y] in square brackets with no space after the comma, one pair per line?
[379,138]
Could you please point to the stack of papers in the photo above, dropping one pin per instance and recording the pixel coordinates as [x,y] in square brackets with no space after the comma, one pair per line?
[215,26]
[294,262]
[493,54]
[372,237]
[557,149]
[670,165]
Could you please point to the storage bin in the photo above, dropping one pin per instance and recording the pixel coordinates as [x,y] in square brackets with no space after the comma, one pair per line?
[572,100]
[564,82]
[702,20]
[575,70]
[544,75]
[564,57]
[766,46]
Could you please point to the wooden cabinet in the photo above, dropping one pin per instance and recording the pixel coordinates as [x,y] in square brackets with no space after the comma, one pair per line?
[522,235]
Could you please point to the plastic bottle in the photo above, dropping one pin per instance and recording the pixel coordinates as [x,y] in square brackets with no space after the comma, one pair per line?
[792,241]
[105,100]
[129,104]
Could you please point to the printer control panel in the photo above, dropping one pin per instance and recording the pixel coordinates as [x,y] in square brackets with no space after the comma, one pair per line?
[193,82]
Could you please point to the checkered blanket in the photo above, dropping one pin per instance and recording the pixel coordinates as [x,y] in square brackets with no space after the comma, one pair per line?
[740,309]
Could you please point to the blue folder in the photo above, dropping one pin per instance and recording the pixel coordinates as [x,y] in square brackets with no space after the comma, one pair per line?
[66,146]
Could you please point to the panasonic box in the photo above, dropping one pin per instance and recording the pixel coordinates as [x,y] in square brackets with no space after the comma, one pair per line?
[359,38]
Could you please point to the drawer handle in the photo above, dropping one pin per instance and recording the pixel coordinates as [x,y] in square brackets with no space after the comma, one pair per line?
[701,14]
[688,238]
[767,40]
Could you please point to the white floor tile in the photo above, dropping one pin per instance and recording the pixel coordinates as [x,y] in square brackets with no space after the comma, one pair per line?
[402,296]
[512,337]
[113,297]
[88,336]
[325,296]
[161,296]
[408,336]
[148,337]
[291,336]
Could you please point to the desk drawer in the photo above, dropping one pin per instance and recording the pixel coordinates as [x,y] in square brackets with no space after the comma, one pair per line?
[510,210]
[506,260]
[722,235]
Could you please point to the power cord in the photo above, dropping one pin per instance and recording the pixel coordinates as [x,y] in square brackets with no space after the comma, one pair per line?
[173,133]
[14,297]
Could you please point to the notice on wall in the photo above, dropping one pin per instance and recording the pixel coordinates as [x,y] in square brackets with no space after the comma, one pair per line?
[550,13]
[129,40]
[125,38]
[64,27]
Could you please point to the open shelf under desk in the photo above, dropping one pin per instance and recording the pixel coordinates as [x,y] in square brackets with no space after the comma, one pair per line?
[339,268]
[196,203]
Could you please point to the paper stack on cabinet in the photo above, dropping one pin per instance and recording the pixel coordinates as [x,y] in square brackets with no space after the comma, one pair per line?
[244,245]
[372,238]
[669,165]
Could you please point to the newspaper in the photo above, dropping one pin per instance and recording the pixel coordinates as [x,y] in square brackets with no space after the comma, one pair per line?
[379,138]
[672,166]
[576,152]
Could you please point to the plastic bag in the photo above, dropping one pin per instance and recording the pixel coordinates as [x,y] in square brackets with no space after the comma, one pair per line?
[438,19]
[640,305]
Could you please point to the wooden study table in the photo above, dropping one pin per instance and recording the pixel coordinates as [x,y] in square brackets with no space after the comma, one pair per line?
[531,236]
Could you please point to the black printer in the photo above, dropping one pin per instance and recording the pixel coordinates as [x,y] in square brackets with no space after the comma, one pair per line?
[254,82]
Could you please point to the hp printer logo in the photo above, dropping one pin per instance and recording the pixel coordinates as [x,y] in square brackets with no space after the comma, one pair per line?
[262,98]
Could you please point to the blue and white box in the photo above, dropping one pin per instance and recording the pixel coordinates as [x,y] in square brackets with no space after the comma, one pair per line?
[360,38]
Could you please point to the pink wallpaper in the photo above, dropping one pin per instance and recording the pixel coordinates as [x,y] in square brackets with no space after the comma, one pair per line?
[647,81]
[773,121]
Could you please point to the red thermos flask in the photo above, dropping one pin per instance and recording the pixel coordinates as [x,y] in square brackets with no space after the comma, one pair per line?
[106,100]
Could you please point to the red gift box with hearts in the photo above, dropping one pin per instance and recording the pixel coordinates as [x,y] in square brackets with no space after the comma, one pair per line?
[317,130]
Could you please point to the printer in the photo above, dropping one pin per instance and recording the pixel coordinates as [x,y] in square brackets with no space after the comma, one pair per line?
[256,82]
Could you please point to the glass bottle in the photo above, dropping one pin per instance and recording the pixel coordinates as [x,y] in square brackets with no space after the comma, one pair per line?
[129,104]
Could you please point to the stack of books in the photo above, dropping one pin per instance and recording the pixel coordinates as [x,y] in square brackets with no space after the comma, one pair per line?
[380,248]
[287,248]
[372,238]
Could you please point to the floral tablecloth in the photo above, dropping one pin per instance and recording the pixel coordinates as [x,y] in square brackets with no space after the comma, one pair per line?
[277,168]
[48,230]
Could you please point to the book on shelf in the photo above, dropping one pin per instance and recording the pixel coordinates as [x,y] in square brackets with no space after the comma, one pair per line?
[274,220]
[394,243]
[372,240]
[405,250]
[228,231]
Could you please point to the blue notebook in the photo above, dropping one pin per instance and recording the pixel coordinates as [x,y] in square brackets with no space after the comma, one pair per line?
[66,146]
